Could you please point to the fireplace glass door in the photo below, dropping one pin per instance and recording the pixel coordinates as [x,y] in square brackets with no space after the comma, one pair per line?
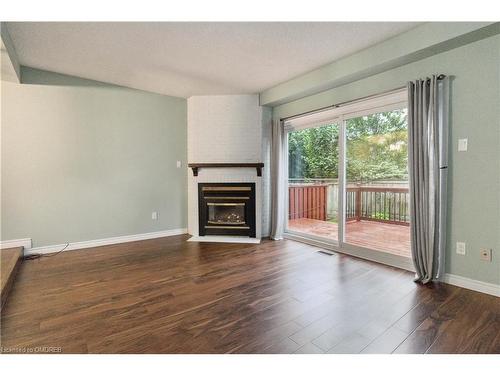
[226,213]
[227,209]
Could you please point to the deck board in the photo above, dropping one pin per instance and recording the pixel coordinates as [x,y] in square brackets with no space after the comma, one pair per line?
[388,238]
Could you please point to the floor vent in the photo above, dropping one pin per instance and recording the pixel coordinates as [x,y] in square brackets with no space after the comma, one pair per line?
[325,252]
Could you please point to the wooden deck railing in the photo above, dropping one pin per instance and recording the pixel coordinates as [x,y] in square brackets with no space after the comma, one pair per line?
[386,204]
[307,201]
[378,203]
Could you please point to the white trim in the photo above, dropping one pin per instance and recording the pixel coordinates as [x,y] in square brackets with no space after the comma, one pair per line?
[341,195]
[285,187]
[104,241]
[374,104]
[24,242]
[358,252]
[478,286]
[229,239]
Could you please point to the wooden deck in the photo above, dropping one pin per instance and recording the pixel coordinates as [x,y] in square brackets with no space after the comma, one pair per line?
[168,295]
[388,238]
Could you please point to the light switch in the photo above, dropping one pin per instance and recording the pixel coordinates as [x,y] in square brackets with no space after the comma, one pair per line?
[461,248]
[462,144]
[179,164]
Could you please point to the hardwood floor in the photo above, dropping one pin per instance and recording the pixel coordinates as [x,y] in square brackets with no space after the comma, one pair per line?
[171,296]
[10,261]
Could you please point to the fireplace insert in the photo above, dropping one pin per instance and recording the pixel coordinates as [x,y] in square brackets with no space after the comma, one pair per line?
[226,209]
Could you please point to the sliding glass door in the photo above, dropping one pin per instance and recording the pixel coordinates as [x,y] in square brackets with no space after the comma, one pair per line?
[347,182]
[313,181]
[377,195]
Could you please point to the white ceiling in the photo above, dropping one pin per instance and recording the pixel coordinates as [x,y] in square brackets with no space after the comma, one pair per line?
[185,59]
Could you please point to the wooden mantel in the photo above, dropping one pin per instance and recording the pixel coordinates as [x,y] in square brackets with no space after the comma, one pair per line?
[196,166]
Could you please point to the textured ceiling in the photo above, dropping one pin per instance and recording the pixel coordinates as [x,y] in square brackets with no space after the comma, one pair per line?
[185,59]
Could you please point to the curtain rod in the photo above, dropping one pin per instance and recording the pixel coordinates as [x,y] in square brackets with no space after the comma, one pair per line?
[331,106]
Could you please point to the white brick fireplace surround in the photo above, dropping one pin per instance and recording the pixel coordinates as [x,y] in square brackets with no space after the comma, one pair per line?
[229,129]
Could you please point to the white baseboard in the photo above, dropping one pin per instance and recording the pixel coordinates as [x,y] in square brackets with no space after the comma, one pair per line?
[478,286]
[24,242]
[104,241]
[229,239]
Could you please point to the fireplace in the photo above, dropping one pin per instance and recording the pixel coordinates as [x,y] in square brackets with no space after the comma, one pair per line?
[226,209]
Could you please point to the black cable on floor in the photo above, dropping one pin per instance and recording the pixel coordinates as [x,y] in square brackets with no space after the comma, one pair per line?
[38,256]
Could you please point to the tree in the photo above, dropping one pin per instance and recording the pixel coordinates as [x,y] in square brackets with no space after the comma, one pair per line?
[313,152]
[376,149]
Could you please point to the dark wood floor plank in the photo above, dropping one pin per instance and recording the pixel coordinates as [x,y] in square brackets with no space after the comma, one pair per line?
[433,326]
[351,344]
[386,342]
[286,346]
[309,348]
[474,329]
[437,294]
[168,295]
[10,261]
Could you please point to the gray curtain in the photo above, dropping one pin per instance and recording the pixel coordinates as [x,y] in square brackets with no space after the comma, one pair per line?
[277,180]
[428,163]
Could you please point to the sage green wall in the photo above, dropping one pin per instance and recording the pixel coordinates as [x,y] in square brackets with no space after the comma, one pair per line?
[474,176]
[84,160]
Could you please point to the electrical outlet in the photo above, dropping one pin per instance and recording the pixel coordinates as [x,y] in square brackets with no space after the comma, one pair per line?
[154,215]
[461,248]
[485,254]
[179,164]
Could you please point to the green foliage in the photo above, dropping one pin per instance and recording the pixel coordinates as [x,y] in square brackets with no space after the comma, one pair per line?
[314,153]
[377,149]
[381,215]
